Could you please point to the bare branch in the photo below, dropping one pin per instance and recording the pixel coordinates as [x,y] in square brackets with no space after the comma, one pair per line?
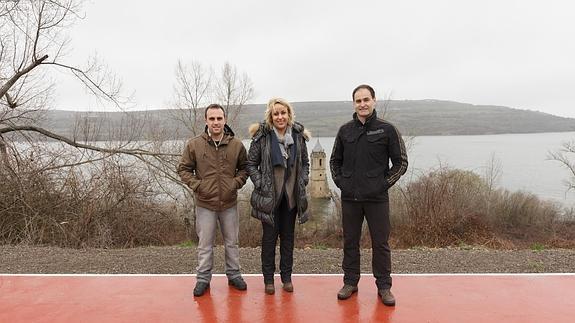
[561,156]
[11,103]
[49,134]
[3,153]
[6,86]
[59,166]
[8,6]
[233,91]
[38,29]
[96,86]
[385,108]
[191,91]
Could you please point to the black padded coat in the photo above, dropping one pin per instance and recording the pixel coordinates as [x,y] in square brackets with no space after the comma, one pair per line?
[260,170]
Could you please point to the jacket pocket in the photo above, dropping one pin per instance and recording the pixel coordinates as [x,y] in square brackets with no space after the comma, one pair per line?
[229,191]
[261,201]
[375,182]
[350,137]
[345,183]
[377,147]
[207,189]
[346,175]
[378,139]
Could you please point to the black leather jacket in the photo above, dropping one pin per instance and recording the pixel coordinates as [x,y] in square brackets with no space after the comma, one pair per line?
[260,170]
[360,159]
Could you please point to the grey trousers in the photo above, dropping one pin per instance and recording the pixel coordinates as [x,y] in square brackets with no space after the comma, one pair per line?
[206,224]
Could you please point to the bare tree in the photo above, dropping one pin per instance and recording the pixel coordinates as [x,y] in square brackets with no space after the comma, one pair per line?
[191,94]
[233,91]
[492,172]
[384,107]
[566,157]
[33,38]
[385,111]
[196,87]
[33,34]
[38,179]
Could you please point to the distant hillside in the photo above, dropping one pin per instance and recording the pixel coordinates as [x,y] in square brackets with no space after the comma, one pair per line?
[412,117]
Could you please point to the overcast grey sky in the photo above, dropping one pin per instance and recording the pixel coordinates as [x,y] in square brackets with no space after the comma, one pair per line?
[513,53]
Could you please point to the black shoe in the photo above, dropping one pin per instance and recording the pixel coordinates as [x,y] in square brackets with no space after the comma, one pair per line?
[201,288]
[386,297]
[346,291]
[238,283]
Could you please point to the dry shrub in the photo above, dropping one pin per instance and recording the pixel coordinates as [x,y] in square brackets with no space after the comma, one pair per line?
[450,207]
[563,235]
[114,203]
[441,209]
[109,205]
[525,219]
[521,212]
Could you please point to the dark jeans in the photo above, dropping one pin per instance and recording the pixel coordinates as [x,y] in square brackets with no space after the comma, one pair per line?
[284,229]
[377,216]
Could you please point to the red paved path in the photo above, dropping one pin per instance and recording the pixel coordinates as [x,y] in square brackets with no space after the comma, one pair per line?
[420,298]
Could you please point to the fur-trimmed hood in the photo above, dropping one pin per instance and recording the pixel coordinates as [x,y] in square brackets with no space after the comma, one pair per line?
[258,130]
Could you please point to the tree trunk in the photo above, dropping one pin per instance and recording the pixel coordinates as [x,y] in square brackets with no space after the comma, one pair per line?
[4,165]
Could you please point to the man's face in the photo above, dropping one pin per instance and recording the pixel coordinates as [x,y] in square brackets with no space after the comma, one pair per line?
[363,103]
[215,120]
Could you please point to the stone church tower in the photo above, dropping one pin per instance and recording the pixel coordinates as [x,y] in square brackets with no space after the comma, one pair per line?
[318,187]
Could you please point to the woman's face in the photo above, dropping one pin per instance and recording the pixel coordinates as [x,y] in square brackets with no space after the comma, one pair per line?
[280,117]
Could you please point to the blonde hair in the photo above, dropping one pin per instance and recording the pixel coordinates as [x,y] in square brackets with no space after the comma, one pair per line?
[270,111]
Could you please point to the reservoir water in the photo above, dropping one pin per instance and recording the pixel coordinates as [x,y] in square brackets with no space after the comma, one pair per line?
[523,159]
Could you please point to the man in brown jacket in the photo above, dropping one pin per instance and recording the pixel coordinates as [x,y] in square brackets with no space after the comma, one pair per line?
[213,165]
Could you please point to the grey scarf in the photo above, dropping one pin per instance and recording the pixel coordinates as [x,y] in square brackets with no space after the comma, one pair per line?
[285,142]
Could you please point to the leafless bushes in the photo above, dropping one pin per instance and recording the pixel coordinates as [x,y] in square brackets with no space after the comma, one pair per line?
[452,207]
[108,203]
[441,208]
[118,201]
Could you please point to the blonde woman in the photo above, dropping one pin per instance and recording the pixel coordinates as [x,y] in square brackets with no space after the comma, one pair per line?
[278,165]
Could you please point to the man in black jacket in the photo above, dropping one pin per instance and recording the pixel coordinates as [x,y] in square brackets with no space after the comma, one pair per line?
[360,168]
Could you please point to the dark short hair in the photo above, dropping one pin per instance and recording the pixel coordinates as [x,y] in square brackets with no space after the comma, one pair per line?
[213,106]
[363,86]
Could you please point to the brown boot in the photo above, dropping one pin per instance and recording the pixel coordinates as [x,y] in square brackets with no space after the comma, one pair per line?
[288,287]
[386,297]
[270,289]
[346,291]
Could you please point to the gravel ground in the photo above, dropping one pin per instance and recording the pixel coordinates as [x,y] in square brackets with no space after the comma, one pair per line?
[182,260]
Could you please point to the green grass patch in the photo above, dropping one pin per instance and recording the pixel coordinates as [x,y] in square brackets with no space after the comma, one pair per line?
[187,244]
[319,246]
[537,247]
